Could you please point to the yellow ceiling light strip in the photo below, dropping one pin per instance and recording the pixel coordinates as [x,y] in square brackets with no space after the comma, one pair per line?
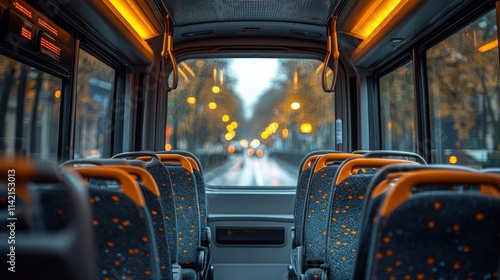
[375,15]
[134,16]
[488,46]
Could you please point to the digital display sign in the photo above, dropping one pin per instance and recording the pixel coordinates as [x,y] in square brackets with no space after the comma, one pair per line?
[19,32]
[50,47]
[47,26]
[23,9]
[24,27]
[26,33]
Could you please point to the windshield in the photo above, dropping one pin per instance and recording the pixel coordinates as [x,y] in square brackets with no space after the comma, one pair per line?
[250,121]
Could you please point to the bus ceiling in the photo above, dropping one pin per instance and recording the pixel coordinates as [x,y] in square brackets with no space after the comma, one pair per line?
[369,32]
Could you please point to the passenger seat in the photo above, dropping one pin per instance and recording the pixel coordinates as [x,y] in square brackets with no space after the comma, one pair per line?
[317,203]
[438,234]
[344,217]
[191,252]
[125,245]
[53,237]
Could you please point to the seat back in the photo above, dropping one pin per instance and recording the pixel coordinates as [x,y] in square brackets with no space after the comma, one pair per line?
[187,208]
[431,234]
[316,206]
[162,179]
[374,197]
[125,245]
[300,196]
[200,188]
[151,195]
[306,168]
[46,219]
[345,213]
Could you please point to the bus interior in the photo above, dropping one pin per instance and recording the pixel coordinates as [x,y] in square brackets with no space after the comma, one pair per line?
[249,139]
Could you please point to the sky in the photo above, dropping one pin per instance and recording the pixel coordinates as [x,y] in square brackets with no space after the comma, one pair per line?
[254,77]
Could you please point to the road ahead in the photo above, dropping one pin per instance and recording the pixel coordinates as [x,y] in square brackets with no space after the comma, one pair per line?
[242,170]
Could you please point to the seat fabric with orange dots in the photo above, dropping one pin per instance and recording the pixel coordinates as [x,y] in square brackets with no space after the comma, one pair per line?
[315,216]
[305,172]
[437,234]
[374,197]
[151,196]
[162,179]
[188,217]
[123,233]
[200,188]
[344,218]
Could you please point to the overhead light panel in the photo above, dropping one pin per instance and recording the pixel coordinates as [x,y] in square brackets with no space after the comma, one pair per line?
[374,16]
[134,15]
[488,46]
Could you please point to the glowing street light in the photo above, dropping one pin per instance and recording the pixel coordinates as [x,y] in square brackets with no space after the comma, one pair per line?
[191,100]
[295,105]
[255,143]
[225,118]
[212,105]
[234,124]
[215,89]
[306,128]
[228,137]
[244,143]
[284,133]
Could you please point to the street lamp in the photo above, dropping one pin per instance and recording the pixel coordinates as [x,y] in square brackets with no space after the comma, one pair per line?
[215,89]
[306,128]
[295,105]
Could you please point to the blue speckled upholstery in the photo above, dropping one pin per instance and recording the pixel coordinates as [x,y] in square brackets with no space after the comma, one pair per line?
[188,274]
[432,235]
[316,215]
[188,215]
[156,213]
[300,198]
[203,204]
[162,179]
[344,224]
[125,245]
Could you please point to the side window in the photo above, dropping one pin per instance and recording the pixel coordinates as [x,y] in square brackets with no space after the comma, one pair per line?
[93,126]
[397,109]
[30,102]
[464,96]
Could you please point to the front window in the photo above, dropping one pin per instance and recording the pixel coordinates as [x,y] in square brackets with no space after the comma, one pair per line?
[250,121]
